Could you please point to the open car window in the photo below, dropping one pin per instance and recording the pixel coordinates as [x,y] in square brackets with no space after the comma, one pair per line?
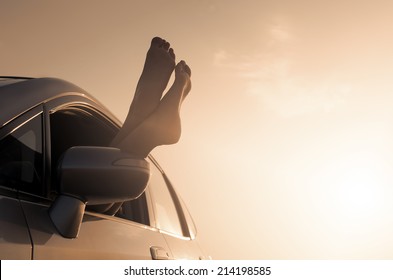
[82,126]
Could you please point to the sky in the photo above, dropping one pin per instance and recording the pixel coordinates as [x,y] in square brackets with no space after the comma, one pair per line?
[286,135]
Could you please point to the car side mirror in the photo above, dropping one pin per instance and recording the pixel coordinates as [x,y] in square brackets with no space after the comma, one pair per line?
[95,175]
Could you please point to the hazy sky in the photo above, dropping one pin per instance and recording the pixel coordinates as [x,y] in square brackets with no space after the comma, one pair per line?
[286,148]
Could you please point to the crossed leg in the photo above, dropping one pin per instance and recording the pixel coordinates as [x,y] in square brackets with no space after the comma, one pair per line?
[158,68]
[157,121]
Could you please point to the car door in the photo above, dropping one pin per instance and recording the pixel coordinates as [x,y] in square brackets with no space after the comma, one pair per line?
[101,235]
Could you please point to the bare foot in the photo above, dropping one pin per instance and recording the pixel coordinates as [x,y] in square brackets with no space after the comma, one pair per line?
[163,126]
[168,112]
[159,65]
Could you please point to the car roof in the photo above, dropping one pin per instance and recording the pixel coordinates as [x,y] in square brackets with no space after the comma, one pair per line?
[20,94]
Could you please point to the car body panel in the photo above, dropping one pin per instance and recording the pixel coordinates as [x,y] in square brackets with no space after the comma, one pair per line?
[100,237]
[15,241]
[184,248]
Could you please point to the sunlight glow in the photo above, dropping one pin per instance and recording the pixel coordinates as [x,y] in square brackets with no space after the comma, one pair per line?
[359,193]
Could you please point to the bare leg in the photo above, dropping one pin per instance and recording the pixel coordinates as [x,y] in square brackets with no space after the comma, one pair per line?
[163,126]
[159,65]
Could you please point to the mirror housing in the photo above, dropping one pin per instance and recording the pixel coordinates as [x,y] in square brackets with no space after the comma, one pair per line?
[95,175]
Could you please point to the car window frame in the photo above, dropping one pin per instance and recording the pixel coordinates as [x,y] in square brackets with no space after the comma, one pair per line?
[61,103]
[187,234]
[13,125]
[78,103]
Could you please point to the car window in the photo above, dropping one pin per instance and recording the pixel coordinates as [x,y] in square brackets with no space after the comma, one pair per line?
[166,215]
[76,126]
[82,126]
[21,160]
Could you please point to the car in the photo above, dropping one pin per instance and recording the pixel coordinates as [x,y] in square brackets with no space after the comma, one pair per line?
[66,194]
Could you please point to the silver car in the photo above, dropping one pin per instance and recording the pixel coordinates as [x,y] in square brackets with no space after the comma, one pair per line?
[64,194]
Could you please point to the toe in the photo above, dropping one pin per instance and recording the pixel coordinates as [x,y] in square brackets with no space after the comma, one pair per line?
[180,66]
[187,69]
[183,67]
[172,53]
[166,45]
[157,41]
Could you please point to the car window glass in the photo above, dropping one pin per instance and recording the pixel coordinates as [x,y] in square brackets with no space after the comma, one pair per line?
[21,158]
[135,210]
[165,211]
